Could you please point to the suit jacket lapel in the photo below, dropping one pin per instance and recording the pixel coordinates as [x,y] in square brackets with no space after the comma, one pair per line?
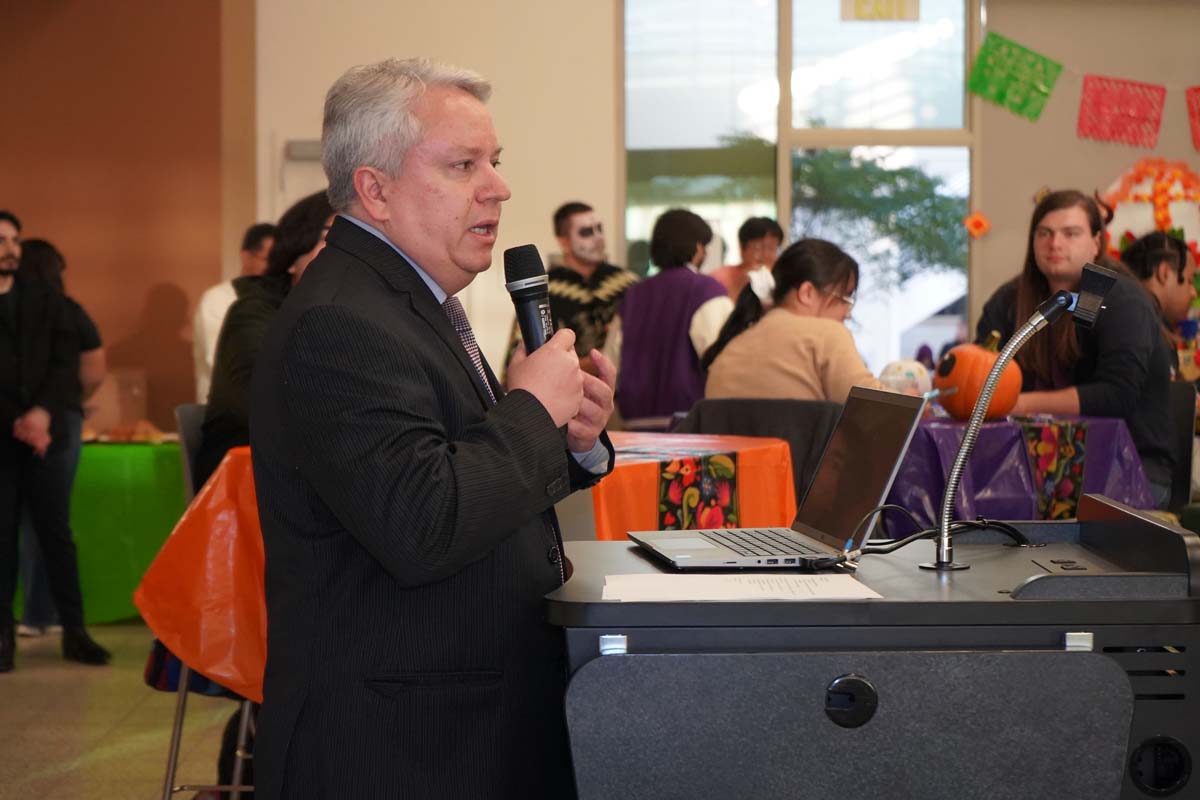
[427,307]
[399,274]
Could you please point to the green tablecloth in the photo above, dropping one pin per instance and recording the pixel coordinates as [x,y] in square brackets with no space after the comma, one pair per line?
[127,499]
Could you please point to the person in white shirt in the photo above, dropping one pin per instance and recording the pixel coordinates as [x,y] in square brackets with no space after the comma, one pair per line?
[216,300]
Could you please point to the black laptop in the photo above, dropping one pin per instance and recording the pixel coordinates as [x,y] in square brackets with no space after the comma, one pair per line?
[854,476]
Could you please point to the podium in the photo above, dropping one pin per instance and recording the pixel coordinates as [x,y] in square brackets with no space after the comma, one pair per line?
[1061,670]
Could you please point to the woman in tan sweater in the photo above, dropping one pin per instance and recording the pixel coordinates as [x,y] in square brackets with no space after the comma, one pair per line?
[800,348]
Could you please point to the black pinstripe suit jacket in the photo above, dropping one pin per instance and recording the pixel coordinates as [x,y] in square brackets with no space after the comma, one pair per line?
[410,539]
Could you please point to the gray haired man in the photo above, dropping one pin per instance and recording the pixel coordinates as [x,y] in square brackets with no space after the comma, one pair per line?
[406,500]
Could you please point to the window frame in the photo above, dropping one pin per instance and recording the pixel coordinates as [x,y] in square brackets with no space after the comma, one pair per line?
[789,138]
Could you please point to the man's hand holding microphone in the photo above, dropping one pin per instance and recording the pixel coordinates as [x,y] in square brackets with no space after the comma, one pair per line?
[551,373]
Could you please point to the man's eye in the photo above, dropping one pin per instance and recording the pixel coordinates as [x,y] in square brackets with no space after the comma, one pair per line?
[463,165]
[495,163]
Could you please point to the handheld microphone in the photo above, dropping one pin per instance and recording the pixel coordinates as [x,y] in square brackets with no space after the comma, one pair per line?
[525,279]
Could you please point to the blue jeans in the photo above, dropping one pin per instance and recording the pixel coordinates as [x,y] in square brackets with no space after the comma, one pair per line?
[39,610]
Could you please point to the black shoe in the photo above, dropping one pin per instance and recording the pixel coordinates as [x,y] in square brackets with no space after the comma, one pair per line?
[8,646]
[78,646]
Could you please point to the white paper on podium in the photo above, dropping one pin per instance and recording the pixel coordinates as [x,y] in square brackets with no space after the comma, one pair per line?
[652,587]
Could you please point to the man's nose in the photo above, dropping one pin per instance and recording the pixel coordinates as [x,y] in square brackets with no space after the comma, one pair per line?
[495,187]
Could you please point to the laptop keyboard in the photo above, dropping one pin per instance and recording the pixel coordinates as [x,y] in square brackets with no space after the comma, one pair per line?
[759,542]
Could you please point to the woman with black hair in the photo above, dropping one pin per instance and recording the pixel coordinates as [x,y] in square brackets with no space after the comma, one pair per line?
[41,261]
[299,236]
[1121,367]
[800,348]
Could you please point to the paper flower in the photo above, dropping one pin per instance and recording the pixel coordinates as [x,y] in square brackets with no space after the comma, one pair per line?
[977,224]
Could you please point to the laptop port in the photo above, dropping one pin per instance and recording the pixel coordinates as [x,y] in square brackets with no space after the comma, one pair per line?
[772,560]
[789,561]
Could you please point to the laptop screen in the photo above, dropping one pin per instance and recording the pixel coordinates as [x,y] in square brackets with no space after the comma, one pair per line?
[858,466]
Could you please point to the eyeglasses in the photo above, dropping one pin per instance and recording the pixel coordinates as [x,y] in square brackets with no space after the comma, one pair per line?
[849,301]
[587,230]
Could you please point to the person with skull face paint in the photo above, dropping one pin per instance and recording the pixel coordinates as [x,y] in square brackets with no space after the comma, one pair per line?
[584,289]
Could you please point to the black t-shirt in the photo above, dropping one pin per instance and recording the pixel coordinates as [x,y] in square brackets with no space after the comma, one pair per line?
[89,334]
[89,339]
[10,365]
[8,310]
[1124,369]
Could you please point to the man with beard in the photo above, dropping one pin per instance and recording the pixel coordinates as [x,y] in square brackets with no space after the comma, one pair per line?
[38,367]
[584,289]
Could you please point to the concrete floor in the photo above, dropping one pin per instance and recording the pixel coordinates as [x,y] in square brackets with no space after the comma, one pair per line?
[74,732]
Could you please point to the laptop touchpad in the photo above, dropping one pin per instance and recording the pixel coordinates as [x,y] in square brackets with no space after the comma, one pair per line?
[685,543]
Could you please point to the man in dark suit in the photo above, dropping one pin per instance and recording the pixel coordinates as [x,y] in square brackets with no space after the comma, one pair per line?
[38,368]
[406,500]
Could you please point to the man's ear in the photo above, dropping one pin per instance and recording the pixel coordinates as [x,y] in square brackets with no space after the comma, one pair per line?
[370,185]
[1164,272]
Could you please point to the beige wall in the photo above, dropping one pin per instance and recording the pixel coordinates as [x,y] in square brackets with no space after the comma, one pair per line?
[552,63]
[1153,41]
[238,146]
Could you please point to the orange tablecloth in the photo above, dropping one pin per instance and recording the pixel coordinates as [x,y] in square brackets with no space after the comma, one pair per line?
[203,593]
[628,499]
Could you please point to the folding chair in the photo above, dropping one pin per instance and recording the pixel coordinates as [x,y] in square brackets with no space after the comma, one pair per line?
[189,418]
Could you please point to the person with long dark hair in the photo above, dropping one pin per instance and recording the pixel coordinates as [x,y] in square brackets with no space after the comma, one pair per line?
[41,261]
[787,337]
[299,236]
[1119,368]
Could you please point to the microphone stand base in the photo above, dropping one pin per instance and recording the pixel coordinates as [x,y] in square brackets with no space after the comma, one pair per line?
[944,566]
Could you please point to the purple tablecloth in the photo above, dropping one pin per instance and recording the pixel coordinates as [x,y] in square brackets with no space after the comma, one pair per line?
[998,481]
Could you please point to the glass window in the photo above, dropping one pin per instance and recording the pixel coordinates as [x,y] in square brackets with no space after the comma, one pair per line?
[898,211]
[697,73]
[701,117]
[723,185]
[877,74]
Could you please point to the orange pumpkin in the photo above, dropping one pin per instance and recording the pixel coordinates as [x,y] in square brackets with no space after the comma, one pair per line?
[966,367]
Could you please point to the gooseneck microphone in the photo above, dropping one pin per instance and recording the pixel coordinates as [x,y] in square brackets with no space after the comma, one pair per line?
[1085,306]
[525,278]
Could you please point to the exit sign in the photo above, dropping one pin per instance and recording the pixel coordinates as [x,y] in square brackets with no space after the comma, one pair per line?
[881,9]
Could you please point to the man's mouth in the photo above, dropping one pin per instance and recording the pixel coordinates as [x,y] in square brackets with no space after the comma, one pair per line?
[486,229]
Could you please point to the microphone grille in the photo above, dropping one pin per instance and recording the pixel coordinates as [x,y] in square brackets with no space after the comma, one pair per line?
[521,263]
